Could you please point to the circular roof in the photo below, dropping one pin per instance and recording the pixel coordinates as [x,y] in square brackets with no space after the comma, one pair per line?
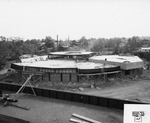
[58,64]
[71,53]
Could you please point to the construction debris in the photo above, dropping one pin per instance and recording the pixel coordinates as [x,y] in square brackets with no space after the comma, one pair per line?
[81,89]
[8,101]
[92,86]
[74,89]
[98,88]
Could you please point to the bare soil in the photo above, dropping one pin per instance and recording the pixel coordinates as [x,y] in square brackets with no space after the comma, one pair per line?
[137,89]
[46,110]
[131,88]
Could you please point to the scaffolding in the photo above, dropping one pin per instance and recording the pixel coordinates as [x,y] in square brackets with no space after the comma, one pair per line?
[29,77]
[103,76]
[38,74]
[23,86]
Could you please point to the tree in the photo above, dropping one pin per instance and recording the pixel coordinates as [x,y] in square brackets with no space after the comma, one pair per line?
[4,53]
[132,45]
[49,44]
[98,45]
[84,43]
[74,43]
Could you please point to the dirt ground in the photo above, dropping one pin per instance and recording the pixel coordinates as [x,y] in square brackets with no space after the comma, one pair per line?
[46,110]
[135,90]
[138,89]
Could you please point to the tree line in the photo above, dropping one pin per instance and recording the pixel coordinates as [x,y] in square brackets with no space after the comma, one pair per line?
[12,48]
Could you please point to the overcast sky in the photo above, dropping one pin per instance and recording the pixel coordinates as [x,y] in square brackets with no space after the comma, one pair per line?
[74,18]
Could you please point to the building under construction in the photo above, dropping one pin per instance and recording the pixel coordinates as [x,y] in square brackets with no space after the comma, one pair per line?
[129,65]
[72,66]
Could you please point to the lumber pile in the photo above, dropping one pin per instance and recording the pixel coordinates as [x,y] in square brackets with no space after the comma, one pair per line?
[82,119]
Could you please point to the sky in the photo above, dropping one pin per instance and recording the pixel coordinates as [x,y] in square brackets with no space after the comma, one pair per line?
[36,19]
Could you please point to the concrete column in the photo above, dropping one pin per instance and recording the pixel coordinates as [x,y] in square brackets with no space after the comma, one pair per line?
[65,77]
[46,77]
[74,77]
[55,77]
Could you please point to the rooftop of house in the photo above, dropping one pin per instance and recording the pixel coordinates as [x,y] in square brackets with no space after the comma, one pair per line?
[145,48]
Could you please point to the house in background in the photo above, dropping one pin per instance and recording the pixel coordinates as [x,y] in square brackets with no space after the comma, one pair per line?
[145,49]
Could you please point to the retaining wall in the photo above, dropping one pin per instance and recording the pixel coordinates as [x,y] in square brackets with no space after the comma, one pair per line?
[71,96]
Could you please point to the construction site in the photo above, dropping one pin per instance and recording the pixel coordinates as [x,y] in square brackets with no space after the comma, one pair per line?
[74,76]
[74,67]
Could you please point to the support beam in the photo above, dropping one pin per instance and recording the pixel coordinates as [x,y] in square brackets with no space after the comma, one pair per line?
[77,121]
[85,118]
[24,84]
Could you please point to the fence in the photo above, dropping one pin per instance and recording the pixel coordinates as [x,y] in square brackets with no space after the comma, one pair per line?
[71,96]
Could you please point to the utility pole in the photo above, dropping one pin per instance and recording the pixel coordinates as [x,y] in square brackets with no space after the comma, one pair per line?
[68,39]
[57,42]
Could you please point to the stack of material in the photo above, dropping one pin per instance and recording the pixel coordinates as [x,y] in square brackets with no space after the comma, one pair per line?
[82,119]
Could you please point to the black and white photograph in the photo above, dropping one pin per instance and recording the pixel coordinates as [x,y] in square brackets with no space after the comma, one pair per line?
[74,61]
